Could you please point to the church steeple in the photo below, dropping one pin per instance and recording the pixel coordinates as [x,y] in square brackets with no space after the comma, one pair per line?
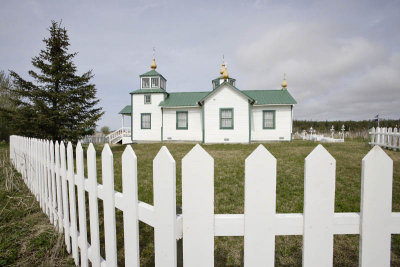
[224,76]
[152,79]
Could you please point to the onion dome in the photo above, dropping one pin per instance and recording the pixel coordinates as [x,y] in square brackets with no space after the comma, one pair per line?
[153,64]
[225,74]
[284,82]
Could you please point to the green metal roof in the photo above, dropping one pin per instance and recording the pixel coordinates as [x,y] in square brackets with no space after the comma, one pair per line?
[183,99]
[261,97]
[151,73]
[149,91]
[271,97]
[127,110]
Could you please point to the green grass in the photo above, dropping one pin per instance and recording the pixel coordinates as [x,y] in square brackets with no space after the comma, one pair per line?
[26,236]
[229,194]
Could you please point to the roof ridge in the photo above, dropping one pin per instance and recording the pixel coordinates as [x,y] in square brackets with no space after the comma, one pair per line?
[189,92]
[256,90]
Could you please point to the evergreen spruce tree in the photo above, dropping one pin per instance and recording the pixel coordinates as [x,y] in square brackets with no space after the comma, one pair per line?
[58,104]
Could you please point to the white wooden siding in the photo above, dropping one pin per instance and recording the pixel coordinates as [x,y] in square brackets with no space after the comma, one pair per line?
[138,107]
[283,123]
[194,131]
[226,97]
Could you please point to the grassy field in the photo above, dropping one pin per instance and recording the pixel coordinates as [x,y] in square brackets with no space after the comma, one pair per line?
[229,194]
[26,236]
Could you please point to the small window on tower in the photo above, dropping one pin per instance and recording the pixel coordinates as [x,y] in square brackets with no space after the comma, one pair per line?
[162,84]
[145,82]
[147,99]
[154,83]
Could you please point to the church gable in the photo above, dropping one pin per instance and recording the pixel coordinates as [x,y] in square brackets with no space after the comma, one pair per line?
[226,93]
[227,86]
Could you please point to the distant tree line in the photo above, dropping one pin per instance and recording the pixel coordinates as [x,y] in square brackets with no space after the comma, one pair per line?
[353,126]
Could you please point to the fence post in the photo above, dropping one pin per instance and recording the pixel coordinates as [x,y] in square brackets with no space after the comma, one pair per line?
[93,207]
[373,136]
[396,140]
[81,205]
[164,183]
[259,208]
[378,136]
[376,208]
[198,208]
[130,192]
[72,202]
[390,138]
[109,205]
[319,208]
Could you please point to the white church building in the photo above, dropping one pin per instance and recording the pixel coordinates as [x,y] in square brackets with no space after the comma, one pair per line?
[224,114]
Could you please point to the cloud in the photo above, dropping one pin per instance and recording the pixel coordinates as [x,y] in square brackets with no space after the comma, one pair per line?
[341,58]
[331,77]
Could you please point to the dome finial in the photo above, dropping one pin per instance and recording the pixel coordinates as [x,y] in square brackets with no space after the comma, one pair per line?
[223,65]
[153,64]
[284,82]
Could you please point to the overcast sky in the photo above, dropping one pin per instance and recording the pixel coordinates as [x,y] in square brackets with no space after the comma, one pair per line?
[342,58]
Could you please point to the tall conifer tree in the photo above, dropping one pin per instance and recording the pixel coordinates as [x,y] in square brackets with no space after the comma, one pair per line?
[58,104]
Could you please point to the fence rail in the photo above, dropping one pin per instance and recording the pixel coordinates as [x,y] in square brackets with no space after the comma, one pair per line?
[48,170]
[385,137]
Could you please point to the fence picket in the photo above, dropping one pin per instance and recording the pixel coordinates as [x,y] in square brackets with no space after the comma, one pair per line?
[164,188]
[130,192]
[49,196]
[109,205]
[93,207]
[377,136]
[81,205]
[53,184]
[42,178]
[72,202]
[58,186]
[63,172]
[198,208]
[259,209]
[376,208]
[319,208]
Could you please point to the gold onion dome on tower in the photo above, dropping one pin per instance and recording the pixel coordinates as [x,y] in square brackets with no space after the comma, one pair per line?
[153,64]
[222,69]
[284,83]
[224,73]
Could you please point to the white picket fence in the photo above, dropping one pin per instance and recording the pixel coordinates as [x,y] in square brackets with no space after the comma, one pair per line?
[48,170]
[385,137]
